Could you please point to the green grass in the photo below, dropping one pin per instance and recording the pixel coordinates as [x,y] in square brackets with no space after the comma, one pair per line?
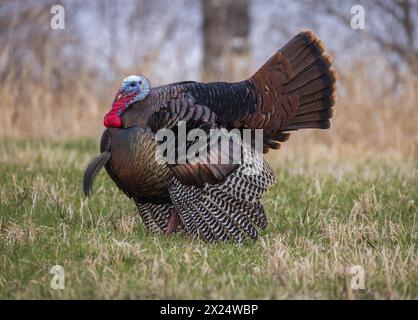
[325,214]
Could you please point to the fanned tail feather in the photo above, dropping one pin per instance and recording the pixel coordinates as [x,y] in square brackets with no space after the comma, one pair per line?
[300,82]
[312,81]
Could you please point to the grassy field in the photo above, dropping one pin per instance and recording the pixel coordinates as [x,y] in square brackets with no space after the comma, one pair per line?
[327,212]
[344,197]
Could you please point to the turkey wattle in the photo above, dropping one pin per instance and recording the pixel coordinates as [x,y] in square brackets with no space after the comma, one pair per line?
[294,89]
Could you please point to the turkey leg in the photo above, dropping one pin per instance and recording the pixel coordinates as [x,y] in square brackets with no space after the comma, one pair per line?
[174,224]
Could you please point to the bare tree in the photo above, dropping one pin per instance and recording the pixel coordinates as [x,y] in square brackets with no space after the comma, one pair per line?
[391,24]
[226,44]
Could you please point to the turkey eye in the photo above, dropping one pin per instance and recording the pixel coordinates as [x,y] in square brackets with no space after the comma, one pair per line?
[133,84]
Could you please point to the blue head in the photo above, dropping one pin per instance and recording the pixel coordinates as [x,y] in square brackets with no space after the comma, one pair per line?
[136,86]
[133,89]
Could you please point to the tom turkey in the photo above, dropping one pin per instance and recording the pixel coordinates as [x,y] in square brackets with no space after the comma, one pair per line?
[294,89]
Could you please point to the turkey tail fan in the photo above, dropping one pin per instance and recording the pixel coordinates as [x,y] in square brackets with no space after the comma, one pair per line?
[302,73]
[312,81]
[230,210]
[92,170]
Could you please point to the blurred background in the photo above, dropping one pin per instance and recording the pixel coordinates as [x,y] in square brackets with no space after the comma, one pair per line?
[57,84]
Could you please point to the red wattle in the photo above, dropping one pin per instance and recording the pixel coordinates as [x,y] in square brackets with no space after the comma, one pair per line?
[112,118]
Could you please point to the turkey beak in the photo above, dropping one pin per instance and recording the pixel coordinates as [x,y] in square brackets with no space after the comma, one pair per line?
[118,96]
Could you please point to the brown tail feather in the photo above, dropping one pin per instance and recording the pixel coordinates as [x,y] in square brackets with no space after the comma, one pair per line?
[323,124]
[313,82]
[324,93]
[319,104]
[303,80]
[313,116]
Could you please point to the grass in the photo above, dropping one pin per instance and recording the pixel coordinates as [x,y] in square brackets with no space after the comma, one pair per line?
[344,197]
[325,213]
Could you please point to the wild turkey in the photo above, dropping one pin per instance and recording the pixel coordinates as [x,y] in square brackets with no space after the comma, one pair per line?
[294,89]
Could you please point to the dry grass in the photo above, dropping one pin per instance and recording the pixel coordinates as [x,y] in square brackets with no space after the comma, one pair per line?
[344,197]
[326,213]
[367,121]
